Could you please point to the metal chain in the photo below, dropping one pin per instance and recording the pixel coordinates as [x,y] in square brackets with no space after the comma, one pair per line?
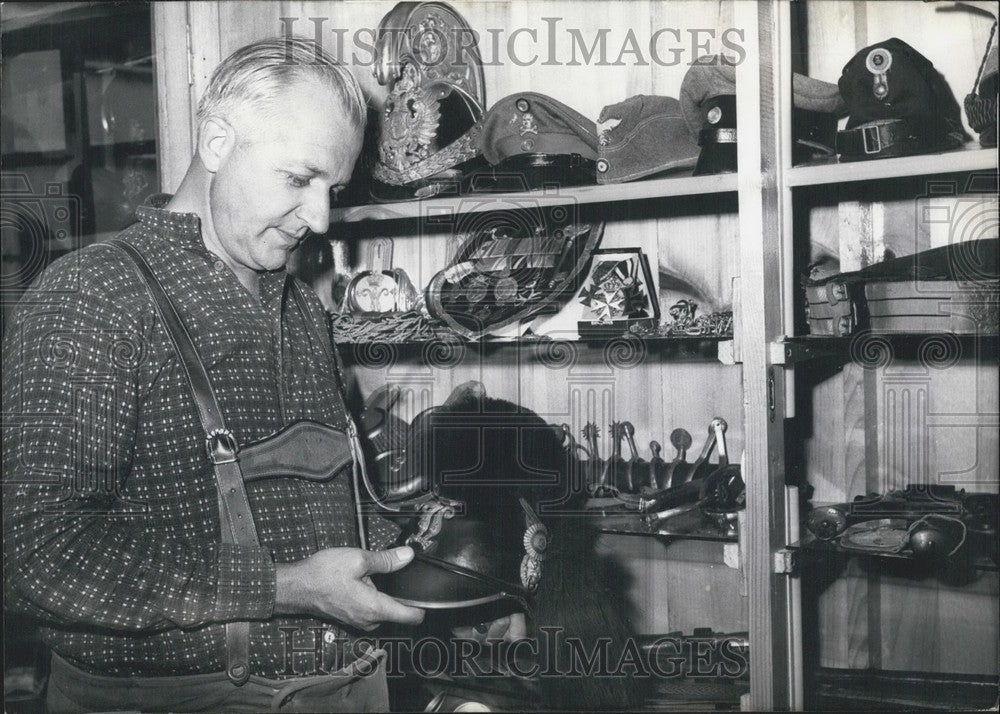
[986,54]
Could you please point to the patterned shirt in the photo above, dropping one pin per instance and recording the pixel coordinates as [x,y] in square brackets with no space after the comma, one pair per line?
[111,521]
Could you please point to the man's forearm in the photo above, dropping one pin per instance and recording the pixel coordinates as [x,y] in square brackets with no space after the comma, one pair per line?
[101,571]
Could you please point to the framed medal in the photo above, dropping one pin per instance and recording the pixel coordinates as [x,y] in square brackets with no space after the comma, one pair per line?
[618,293]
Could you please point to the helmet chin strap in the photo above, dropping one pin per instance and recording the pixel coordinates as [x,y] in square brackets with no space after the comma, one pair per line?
[358,466]
[361,475]
[503,589]
[408,502]
[408,505]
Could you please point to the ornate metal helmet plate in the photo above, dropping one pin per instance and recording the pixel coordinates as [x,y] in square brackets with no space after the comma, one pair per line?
[428,57]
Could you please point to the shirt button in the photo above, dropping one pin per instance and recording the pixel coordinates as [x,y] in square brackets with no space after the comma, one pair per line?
[219,266]
[329,637]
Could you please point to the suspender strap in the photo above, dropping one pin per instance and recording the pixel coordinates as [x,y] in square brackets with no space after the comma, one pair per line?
[235,516]
[322,338]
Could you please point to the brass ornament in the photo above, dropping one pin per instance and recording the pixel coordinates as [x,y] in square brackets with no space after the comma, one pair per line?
[535,541]
[425,57]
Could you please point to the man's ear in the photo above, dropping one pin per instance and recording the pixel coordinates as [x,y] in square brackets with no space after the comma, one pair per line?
[216,139]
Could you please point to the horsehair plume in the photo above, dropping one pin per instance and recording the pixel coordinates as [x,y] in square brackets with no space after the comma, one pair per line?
[581,594]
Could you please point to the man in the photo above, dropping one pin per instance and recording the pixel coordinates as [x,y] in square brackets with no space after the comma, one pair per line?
[111,514]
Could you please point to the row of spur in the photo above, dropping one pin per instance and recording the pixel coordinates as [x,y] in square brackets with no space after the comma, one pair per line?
[656,487]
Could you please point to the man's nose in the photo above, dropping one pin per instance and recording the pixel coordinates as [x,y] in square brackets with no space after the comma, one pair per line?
[315,209]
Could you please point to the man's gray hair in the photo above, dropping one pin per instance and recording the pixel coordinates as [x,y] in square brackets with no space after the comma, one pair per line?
[257,73]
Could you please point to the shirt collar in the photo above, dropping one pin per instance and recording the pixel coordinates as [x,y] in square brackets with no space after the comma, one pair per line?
[184,229]
[181,228]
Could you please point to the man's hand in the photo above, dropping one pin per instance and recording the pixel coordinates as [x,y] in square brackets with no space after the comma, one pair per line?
[335,584]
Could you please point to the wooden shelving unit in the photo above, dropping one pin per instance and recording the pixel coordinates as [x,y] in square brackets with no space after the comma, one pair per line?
[813,547]
[870,347]
[970,158]
[671,186]
[686,526]
[542,340]
[742,229]
[855,409]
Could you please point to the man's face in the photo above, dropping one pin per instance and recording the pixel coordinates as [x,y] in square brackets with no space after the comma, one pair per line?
[274,186]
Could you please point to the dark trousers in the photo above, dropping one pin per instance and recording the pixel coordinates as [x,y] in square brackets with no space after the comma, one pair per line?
[359,687]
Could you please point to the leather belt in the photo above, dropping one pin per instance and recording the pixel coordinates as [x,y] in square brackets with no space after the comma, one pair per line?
[235,517]
[882,138]
[323,341]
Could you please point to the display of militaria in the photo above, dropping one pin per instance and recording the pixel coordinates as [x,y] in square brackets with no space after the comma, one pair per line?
[500,356]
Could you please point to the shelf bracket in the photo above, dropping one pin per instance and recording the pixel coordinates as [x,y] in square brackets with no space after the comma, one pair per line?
[726,352]
[788,353]
[734,554]
[786,561]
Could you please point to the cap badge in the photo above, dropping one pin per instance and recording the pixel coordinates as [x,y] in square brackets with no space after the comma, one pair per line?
[878,62]
[605,128]
[528,125]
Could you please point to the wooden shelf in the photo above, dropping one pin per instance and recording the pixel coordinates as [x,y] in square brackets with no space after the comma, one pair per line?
[691,525]
[545,340]
[629,349]
[969,158]
[873,347]
[841,689]
[824,549]
[480,202]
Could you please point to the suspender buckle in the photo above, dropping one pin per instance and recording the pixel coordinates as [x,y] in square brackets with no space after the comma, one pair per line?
[221,446]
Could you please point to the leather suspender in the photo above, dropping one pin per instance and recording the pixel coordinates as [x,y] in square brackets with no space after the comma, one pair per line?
[235,516]
[330,351]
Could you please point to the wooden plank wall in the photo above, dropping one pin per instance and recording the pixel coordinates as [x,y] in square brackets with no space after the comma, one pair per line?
[907,421]
[693,240]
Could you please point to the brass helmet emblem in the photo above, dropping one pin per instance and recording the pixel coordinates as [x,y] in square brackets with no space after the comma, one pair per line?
[428,57]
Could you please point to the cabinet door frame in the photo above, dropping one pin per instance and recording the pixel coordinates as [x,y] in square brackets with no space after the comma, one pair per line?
[186,41]
[763,152]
